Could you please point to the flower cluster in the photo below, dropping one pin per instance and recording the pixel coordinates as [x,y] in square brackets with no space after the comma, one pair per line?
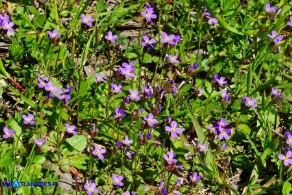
[170,39]
[272,9]
[288,157]
[221,129]
[5,23]
[54,91]
[127,70]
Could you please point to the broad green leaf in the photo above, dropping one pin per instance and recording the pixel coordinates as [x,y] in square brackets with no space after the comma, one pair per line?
[243,128]
[130,55]
[39,159]
[74,145]
[286,190]
[147,58]
[79,161]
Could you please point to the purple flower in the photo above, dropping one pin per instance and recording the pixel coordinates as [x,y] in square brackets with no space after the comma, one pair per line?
[117,180]
[287,159]
[39,142]
[164,191]
[273,34]
[212,129]
[110,37]
[130,65]
[177,38]
[119,143]
[250,102]
[149,14]
[100,77]
[172,59]
[168,39]
[287,133]
[134,95]
[215,77]
[127,193]
[278,39]
[203,147]
[148,91]
[222,122]
[290,22]
[4,18]
[119,113]
[50,87]
[127,141]
[289,140]
[127,72]
[194,66]
[275,92]
[148,42]
[223,133]
[221,81]
[173,129]
[98,151]
[224,146]
[116,88]
[179,181]
[7,25]
[70,129]
[129,153]
[29,119]
[42,82]
[53,34]
[90,188]
[270,9]
[86,20]
[212,20]
[7,133]
[195,177]
[169,157]
[148,136]
[180,167]
[225,95]
[150,120]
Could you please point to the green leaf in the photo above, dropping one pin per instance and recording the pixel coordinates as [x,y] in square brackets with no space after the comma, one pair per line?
[5,162]
[15,126]
[64,161]
[186,88]
[2,70]
[39,159]
[39,21]
[286,190]
[147,59]
[79,161]
[74,145]
[243,128]
[130,55]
